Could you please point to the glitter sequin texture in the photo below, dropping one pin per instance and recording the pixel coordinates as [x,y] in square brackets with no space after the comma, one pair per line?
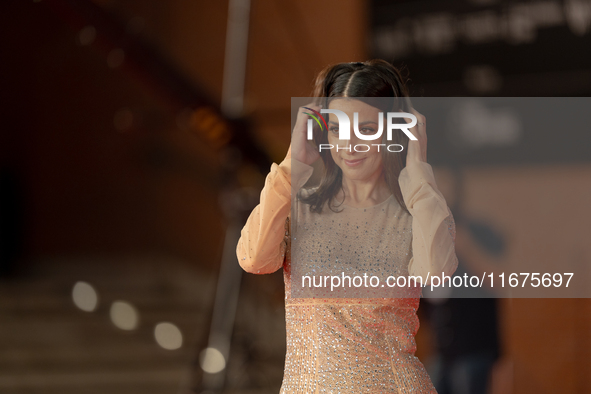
[351,342]
[357,344]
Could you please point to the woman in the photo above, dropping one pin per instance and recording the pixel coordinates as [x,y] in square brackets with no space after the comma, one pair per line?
[353,345]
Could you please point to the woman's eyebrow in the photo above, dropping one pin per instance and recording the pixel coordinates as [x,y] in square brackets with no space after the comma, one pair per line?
[333,122]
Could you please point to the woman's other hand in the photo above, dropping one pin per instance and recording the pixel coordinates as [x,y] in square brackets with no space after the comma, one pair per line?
[417,150]
[301,149]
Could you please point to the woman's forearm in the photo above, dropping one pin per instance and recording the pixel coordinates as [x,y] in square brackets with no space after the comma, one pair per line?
[261,248]
[433,227]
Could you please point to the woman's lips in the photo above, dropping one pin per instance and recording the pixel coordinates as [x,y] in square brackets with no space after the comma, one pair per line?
[353,163]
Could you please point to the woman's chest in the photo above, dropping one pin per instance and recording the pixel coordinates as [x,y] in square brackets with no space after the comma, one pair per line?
[370,242]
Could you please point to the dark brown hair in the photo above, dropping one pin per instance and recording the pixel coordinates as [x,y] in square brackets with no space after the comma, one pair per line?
[376,79]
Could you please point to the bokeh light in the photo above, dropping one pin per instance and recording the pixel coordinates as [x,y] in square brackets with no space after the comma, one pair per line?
[115,58]
[85,296]
[212,360]
[124,315]
[168,336]
[87,35]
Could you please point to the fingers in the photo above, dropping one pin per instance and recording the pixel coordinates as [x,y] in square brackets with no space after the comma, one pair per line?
[305,112]
[306,108]
[310,110]
[421,120]
[418,148]
[302,149]
[421,126]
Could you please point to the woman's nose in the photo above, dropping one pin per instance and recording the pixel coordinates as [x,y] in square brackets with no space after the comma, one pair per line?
[354,141]
[348,144]
[345,145]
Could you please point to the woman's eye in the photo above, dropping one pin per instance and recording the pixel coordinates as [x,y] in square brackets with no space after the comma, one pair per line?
[367,130]
[334,129]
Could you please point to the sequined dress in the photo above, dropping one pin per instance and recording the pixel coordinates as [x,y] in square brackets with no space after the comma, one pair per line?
[352,345]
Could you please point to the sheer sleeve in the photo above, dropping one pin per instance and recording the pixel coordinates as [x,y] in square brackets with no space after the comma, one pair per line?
[433,226]
[261,248]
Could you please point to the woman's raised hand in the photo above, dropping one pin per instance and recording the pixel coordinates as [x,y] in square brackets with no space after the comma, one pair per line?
[301,149]
[417,150]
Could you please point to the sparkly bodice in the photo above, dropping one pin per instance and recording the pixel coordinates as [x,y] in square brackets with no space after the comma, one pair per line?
[352,345]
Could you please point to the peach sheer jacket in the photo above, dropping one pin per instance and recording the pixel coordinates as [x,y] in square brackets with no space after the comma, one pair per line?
[353,345]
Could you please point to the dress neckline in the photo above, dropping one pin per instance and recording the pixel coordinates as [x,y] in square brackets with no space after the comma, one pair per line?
[371,206]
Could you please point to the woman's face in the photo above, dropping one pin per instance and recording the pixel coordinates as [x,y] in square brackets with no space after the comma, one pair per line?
[355,165]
